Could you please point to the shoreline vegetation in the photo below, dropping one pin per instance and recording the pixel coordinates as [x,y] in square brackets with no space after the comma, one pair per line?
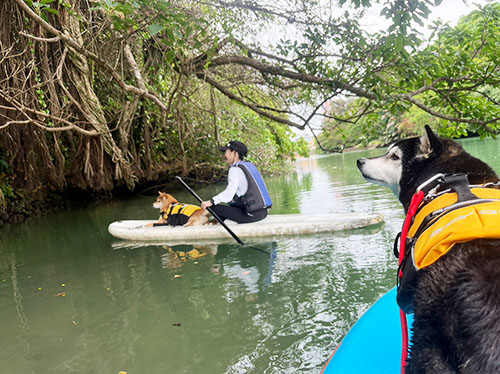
[23,205]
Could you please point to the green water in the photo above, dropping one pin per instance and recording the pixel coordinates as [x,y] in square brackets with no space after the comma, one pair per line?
[143,310]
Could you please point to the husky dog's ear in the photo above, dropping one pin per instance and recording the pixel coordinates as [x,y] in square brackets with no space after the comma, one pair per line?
[429,143]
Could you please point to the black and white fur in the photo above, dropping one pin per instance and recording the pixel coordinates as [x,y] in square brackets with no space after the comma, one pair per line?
[457,302]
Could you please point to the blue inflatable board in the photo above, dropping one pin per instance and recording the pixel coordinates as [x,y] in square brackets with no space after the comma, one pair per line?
[374,343]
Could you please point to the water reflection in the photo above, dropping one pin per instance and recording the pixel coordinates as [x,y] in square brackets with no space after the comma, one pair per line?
[252,270]
[176,256]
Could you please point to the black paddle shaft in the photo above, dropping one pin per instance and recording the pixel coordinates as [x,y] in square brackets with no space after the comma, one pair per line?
[190,190]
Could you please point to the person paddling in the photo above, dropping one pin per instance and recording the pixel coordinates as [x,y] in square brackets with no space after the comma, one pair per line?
[246,191]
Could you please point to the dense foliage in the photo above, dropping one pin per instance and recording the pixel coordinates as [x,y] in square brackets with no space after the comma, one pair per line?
[100,94]
[457,74]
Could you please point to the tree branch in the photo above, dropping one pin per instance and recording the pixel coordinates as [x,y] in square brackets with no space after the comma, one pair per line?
[22,109]
[254,107]
[299,76]
[454,119]
[38,39]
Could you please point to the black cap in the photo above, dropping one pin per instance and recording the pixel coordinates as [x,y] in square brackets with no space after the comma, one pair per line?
[235,145]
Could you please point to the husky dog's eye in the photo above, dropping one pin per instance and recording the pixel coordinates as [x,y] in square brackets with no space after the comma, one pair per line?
[394,157]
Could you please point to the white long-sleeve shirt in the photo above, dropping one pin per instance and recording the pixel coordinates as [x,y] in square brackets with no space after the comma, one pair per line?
[237,184]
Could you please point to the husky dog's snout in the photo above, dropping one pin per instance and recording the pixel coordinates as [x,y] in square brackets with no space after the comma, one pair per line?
[383,170]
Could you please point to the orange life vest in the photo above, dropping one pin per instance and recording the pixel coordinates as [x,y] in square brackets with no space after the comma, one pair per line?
[441,223]
[455,224]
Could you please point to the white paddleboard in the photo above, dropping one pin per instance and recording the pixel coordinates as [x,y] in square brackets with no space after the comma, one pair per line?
[272,225]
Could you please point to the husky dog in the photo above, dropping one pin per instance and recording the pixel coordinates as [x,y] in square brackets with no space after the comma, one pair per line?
[457,299]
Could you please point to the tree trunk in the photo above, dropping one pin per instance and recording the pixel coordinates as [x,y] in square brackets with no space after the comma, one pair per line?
[81,77]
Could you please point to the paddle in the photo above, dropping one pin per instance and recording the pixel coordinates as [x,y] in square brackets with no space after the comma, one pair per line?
[190,190]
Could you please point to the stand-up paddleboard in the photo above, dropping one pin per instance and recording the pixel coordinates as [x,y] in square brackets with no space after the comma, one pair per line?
[272,225]
[374,343]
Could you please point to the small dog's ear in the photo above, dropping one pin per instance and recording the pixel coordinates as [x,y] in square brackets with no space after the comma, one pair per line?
[429,143]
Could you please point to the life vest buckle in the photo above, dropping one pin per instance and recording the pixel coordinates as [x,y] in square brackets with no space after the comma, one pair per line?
[430,183]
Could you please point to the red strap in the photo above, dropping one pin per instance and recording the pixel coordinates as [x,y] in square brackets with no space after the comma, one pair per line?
[415,203]
[404,329]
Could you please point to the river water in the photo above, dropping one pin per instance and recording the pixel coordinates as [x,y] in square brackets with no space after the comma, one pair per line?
[75,300]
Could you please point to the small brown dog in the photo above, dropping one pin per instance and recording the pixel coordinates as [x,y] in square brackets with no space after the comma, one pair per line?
[174,213]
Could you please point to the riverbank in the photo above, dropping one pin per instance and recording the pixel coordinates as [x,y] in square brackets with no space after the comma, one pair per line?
[25,205]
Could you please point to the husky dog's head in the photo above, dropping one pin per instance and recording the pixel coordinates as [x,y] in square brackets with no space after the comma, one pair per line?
[410,162]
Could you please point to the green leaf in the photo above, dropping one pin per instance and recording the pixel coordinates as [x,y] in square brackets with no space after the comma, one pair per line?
[398,46]
[170,56]
[155,29]
[125,9]
[170,35]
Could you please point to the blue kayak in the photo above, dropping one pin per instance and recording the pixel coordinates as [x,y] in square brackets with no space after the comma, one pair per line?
[374,343]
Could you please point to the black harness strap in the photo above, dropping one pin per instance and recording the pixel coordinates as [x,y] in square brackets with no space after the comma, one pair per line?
[460,184]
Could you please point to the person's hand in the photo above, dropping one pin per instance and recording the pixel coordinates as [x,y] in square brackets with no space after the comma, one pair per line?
[206,204]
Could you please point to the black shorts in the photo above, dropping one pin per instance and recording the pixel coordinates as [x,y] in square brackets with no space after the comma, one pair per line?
[238,215]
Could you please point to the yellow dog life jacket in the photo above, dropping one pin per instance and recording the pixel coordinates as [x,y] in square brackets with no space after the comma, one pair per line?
[477,219]
[178,214]
[440,224]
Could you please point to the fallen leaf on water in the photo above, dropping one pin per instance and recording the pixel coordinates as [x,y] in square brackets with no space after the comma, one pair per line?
[61,294]
[216,268]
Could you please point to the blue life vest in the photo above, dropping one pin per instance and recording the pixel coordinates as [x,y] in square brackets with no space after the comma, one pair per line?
[256,197]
